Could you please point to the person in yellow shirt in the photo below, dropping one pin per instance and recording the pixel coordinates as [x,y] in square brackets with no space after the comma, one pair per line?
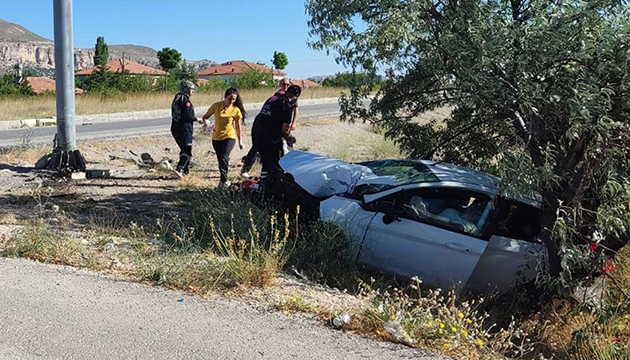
[227,128]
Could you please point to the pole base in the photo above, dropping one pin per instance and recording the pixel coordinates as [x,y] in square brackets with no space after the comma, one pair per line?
[66,161]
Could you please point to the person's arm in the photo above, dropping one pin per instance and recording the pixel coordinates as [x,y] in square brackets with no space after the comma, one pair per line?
[296,112]
[207,115]
[237,123]
[189,111]
[286,130]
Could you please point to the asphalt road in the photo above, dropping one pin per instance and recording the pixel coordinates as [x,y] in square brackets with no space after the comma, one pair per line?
[57,312]
[41,135]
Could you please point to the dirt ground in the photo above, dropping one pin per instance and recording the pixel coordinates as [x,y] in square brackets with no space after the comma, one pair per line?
[146,191]
[142,194]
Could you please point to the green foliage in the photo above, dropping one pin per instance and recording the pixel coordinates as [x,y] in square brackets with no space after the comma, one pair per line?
[280,60]
[103,81]
[213,85]
[185,72]
[538,92]
[348,80]
[101,52]
[10,87]
[169,58]
[252,79]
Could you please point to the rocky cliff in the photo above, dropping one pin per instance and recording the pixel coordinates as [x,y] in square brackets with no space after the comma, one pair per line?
[18,45]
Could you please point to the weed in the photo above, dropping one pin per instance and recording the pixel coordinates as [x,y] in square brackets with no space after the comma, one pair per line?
[195,272]
[294,303]
[39,241]
[254,260]
[432,320]
[321,252]
[382,148]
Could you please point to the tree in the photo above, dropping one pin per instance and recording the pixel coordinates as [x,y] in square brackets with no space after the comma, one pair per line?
[252,79]
[185,72]
[539,92]
[346,79]
[169,58]
[101,52]
[280,60]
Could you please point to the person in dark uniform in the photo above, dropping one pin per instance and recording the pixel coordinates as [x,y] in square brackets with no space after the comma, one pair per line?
[183,117]
[271,126]
[248,160]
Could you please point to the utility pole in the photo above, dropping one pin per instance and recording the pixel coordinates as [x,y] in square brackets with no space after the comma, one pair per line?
[65,157]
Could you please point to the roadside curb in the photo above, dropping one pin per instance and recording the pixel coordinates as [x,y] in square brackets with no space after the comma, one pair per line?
[133,115]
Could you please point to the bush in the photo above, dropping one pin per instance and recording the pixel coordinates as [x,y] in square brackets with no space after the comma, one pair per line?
[252,79]
[10,87]
[214,85]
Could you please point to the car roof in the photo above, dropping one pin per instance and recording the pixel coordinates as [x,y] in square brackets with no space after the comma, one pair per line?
[449,175]
[446,172]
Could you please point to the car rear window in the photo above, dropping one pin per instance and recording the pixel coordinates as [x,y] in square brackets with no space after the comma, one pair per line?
[404,171]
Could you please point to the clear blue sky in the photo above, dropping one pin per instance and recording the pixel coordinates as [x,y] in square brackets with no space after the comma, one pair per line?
[199,29]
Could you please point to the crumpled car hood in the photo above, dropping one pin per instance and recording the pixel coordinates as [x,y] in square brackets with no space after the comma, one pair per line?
[322,176]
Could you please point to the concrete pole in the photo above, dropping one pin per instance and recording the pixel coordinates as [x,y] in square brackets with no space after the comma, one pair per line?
[65,157]
[64,75]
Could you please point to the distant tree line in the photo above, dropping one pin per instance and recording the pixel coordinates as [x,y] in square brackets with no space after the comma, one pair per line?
[104,81]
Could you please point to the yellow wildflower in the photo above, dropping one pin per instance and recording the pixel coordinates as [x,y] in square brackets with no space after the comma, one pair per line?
[454,329]
[378,332]
[392,317]
[468,321]
[294,299]
[446,346]
[460,315]
[441,325]
[430,323]
[464,332]
[479,342]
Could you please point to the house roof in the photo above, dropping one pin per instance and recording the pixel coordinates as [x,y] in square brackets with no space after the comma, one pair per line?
[42,84]
[234,67]
[116,66]
[304,83]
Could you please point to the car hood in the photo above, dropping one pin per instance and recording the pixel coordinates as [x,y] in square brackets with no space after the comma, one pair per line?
[322,176]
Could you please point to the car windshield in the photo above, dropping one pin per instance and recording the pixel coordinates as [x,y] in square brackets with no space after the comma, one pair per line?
[404,171]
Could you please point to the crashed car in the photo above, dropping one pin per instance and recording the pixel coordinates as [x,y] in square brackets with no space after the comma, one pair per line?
[442,223]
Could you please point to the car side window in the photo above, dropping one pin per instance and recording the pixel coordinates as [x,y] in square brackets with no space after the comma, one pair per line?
[461,211]
[518,221]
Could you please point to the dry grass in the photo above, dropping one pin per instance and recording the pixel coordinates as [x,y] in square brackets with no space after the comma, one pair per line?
[191,260]
[37,107]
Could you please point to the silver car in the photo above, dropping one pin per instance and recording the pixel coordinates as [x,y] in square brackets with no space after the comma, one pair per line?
[443,223]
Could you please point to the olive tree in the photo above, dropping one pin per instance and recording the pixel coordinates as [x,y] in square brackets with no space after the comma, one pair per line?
[537,92]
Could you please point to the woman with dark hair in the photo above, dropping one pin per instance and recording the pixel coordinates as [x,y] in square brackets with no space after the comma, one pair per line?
[227,128]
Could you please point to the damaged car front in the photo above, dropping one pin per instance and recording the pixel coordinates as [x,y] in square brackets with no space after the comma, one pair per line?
[443,223]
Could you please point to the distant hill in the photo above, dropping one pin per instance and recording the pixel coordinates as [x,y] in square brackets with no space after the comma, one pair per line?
[36,53]
[10,32]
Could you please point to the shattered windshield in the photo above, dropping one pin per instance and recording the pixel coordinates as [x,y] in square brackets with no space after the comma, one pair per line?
[404,171]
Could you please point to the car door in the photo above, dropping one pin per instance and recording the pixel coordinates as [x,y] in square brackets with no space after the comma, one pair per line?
[514,253]
[430,247]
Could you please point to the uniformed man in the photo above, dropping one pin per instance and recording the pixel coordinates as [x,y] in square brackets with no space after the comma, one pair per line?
[271,126]
[183,117]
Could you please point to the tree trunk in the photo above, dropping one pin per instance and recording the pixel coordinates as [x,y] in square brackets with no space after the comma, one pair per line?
[548,217]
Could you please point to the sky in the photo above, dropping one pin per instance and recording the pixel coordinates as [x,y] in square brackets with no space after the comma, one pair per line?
[200,29]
